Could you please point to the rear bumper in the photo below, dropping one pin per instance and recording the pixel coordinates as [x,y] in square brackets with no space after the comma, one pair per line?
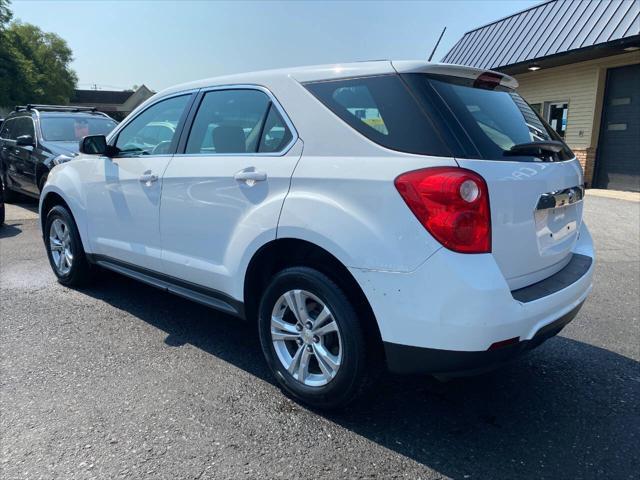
[405,359]
[447,315]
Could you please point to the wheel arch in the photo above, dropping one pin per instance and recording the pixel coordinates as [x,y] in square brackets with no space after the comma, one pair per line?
[282,253]
[52,196]
[41,170]
[50,200]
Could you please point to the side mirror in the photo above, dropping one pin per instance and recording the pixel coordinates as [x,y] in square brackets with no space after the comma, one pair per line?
[94,145]
[25,141]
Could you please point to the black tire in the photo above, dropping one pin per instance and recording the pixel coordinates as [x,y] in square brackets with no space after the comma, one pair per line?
[9,195]
[79,273]
[42,180]
[352,376]
[1,205]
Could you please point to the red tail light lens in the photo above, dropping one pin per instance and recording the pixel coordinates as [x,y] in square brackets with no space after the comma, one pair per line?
[453,205]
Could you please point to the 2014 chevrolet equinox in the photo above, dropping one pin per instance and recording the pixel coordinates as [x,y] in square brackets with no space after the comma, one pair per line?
[417,215]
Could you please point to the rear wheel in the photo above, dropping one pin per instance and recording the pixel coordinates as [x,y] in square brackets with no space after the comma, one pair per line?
[312,339]
[64,248]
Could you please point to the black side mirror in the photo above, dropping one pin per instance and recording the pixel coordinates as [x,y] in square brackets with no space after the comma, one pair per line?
[94,145]
[25,141]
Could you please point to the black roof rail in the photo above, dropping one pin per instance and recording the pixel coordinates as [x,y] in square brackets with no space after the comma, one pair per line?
[54,108]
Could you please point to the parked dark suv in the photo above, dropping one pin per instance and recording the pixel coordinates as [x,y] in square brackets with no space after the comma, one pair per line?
[35,138]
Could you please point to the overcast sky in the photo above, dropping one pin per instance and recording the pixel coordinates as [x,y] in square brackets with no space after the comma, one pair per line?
[117,44]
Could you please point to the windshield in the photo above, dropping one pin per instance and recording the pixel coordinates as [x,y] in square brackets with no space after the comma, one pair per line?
[491,120]
[74,128]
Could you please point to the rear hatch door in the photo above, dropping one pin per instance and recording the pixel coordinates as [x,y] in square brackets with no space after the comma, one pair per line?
[535,216]
[534,180]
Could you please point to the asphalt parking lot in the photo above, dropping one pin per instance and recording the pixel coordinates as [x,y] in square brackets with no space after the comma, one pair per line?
[123,381]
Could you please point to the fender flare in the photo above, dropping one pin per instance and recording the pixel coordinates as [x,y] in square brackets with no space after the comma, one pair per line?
[65,187]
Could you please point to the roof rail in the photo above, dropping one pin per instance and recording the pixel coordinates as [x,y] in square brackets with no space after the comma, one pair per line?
[54,108]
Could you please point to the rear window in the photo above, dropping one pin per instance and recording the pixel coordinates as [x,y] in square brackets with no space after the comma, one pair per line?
[382,109]
[493,120]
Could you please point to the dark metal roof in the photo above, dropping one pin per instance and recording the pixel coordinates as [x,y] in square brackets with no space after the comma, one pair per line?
[101,96]
[551,28]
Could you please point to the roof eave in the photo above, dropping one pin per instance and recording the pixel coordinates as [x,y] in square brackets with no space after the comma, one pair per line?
[591,52]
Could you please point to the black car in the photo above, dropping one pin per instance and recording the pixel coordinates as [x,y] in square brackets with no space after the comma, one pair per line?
[1,205]
[35,138]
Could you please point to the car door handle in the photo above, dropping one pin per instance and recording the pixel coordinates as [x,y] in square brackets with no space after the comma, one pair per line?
[148,178]
[250,176]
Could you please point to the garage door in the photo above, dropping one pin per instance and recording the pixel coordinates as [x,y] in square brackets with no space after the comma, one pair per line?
[618,154]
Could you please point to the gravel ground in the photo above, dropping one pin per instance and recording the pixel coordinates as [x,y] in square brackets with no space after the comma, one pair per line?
[122,381]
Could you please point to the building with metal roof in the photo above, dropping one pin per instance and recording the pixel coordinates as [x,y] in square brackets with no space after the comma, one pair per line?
[578,64]
[117,104]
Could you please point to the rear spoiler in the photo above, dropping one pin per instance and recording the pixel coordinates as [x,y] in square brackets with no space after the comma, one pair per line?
[475,74]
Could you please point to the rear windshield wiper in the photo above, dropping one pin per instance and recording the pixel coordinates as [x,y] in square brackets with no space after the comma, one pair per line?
[536,148]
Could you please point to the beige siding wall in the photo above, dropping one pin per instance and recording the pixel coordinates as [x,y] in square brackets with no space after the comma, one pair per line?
[582,85]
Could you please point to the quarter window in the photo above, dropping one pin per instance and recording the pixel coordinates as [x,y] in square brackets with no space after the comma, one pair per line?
[237,121]
[357,100]
[154,130]
[382,109]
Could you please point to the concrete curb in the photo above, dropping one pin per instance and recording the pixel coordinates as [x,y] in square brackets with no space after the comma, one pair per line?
[617,194]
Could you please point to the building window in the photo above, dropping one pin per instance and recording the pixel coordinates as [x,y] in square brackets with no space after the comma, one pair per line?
[556,114]
[537,107]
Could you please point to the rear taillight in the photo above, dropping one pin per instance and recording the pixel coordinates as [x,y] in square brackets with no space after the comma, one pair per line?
[453,205]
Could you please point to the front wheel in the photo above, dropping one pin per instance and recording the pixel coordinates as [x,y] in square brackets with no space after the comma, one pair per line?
[64,248]
[312,339]
[42,180]
[8,195]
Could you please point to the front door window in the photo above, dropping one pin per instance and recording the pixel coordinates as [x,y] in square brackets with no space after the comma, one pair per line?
[154,130]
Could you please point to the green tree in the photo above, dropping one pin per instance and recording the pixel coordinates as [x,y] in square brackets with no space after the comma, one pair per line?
[5,13]
[45,57]
[8,65]
[34,65]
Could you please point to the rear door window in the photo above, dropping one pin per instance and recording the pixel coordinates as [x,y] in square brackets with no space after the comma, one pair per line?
[382,109]
[237,121]
[228,122]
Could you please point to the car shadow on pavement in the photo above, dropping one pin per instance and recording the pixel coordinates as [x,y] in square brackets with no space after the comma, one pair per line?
[29,204]
[10,230]
[552,414]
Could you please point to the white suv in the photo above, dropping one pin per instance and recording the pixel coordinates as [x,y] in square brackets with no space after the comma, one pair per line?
[413,215]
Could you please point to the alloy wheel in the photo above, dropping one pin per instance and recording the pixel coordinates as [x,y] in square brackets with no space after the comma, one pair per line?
[306,338]
[61,246]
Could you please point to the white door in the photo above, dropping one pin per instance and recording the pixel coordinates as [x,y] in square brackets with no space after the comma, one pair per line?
[123,192]
[222,197]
